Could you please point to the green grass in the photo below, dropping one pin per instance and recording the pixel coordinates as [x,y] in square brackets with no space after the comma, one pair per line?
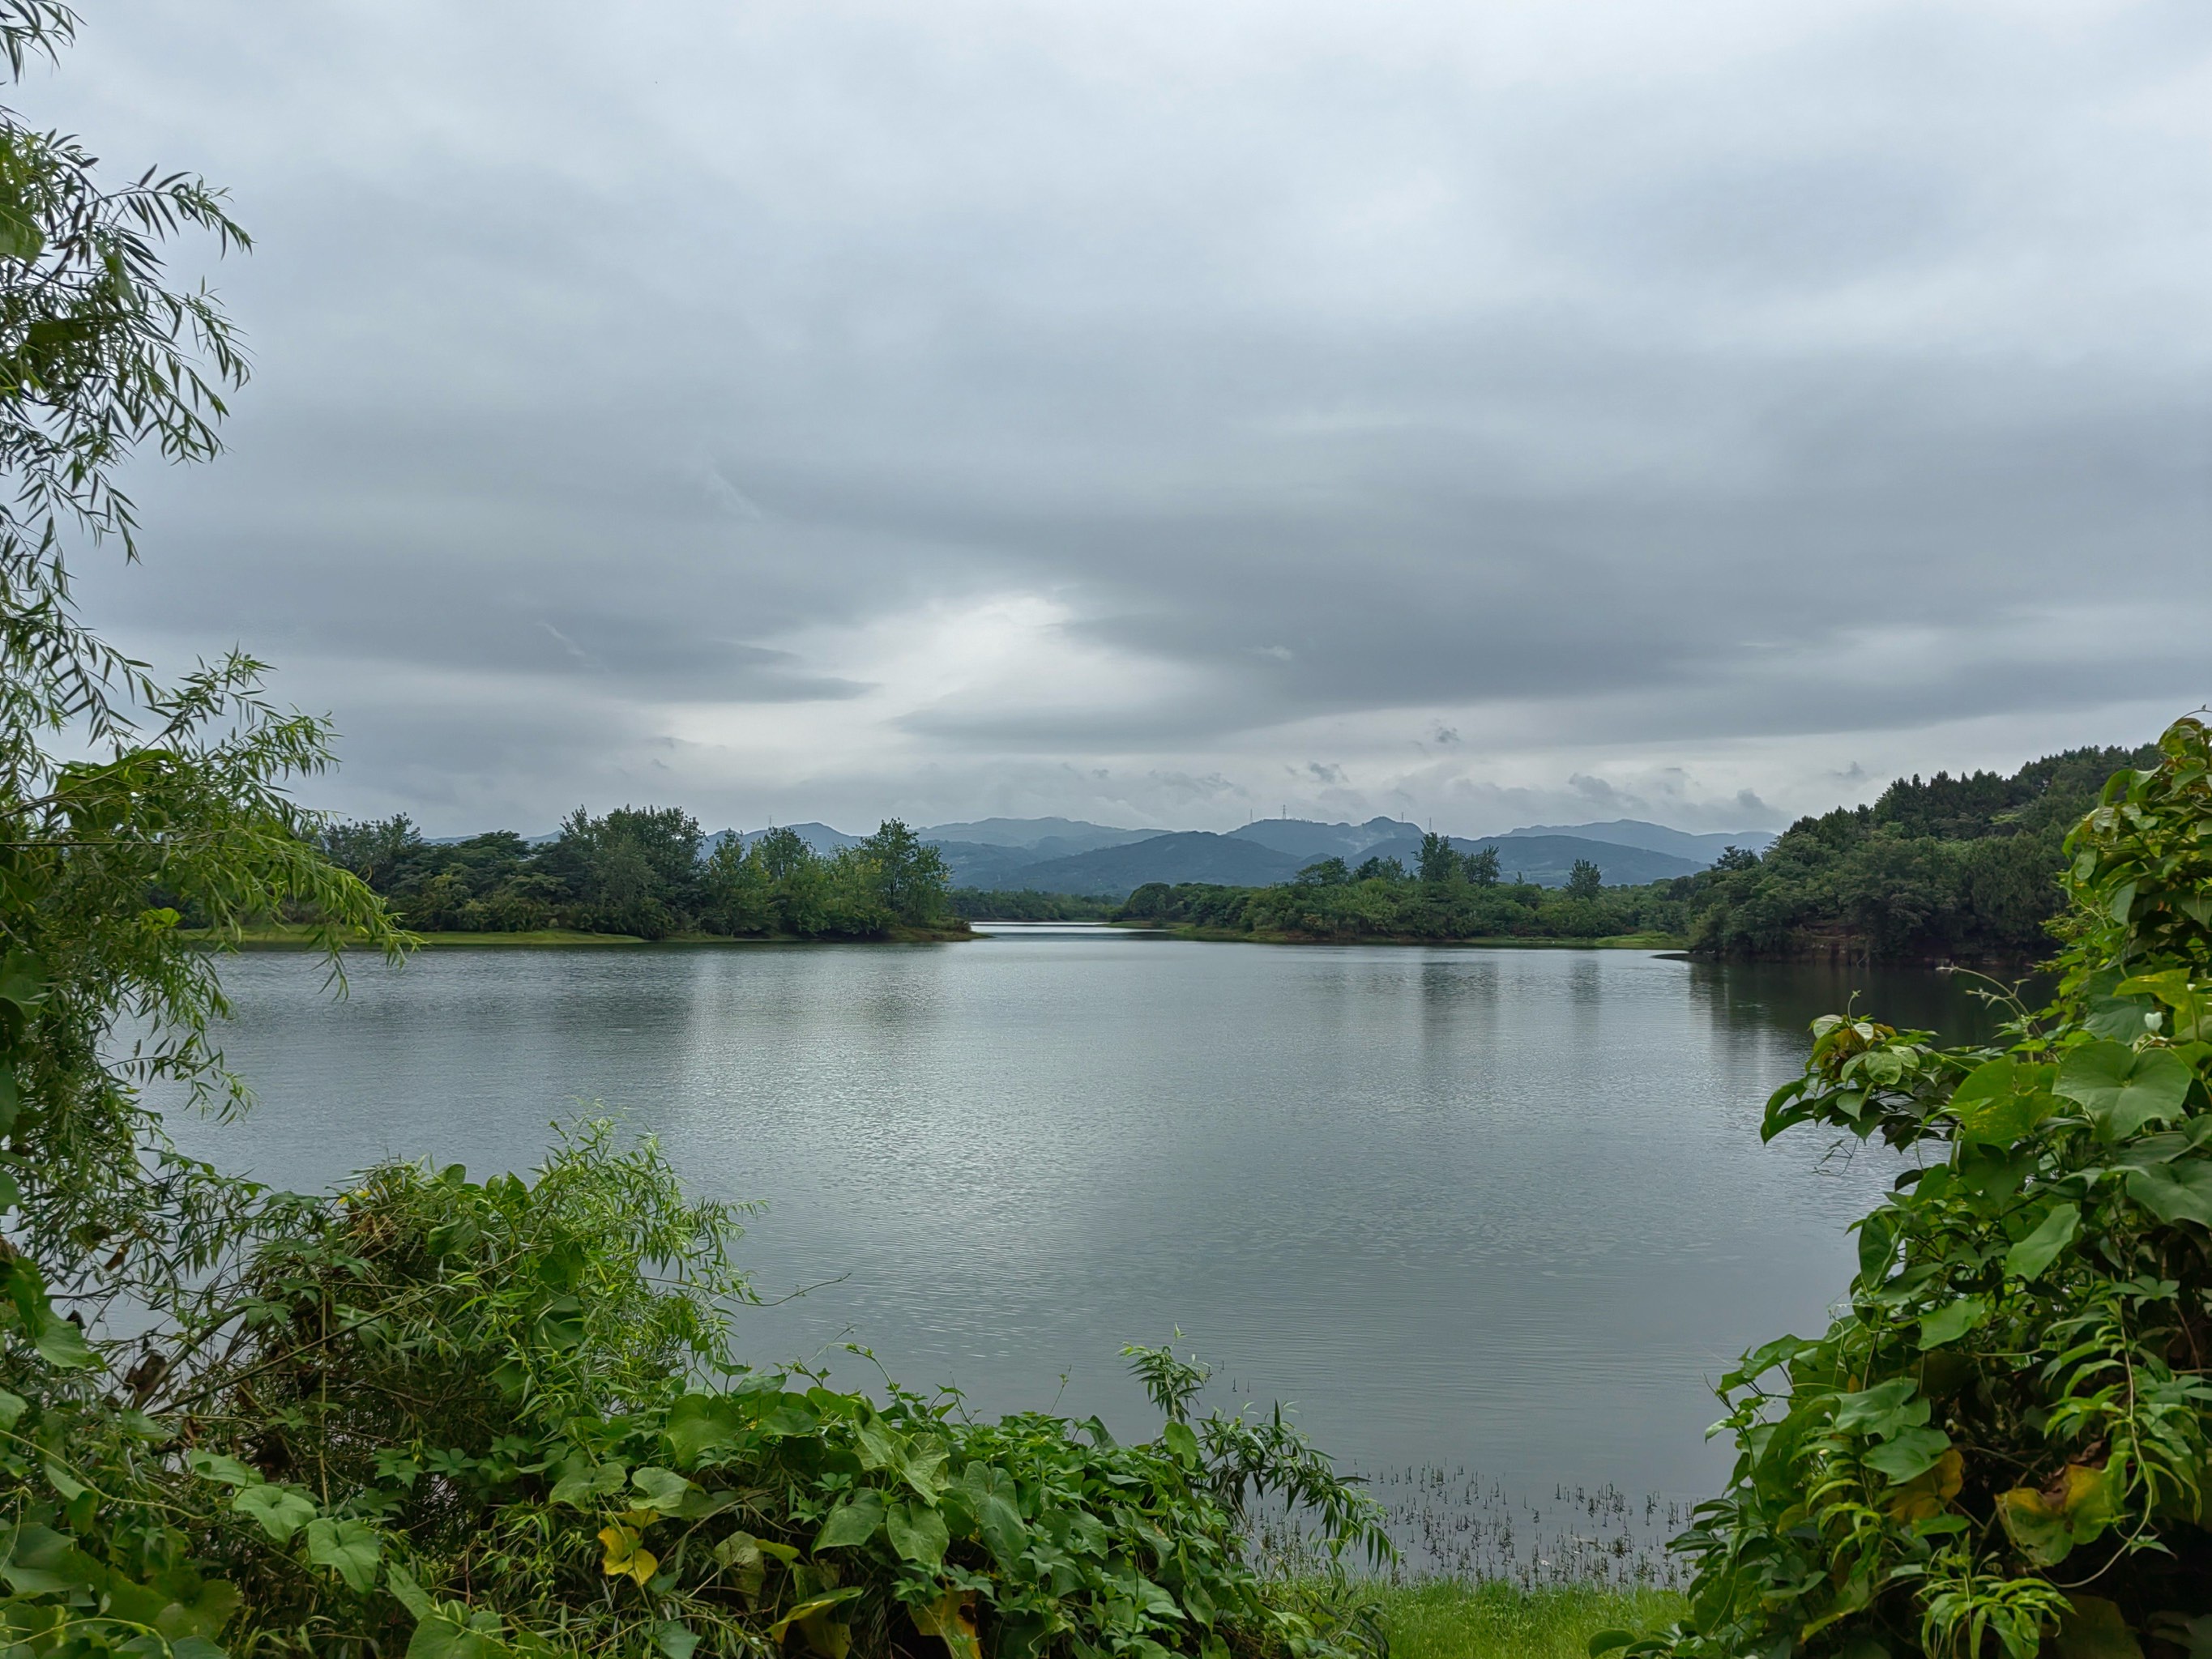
[286,936]
[1450,1618]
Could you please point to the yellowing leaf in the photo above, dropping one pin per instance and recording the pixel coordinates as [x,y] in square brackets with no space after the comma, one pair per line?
[809,1609]
[626,1557]
[950,1616]
[2074,1509]
[1926,1494]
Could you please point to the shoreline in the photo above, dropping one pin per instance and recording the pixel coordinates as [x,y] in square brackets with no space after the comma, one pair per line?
[288,936]
[1227,936]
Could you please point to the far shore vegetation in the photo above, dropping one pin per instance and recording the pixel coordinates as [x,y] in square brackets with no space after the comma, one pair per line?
[648,873]
[1947,869]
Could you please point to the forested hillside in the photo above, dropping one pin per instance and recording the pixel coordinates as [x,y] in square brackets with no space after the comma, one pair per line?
[648,872]
[1948,868]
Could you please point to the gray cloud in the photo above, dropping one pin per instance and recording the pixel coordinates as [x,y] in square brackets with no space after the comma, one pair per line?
[820,410]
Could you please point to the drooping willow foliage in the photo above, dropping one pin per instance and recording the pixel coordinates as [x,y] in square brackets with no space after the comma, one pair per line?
[2006,1443]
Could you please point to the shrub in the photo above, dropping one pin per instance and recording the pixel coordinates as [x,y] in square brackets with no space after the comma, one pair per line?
[2002,1445]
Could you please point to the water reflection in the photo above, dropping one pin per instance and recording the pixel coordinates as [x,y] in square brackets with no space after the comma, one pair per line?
[1502,1208]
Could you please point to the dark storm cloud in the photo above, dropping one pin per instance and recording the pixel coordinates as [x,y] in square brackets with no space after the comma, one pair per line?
[967,410]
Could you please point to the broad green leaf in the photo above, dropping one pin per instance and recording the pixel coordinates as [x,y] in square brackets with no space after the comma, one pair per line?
[1909,1453]
[2180,1191]
[141,1604]
[793,1418]
[408,1594]
[1953,1320]
[61,1343]
[700,1423]
[917,1533]
[1004,1533]
[739,1555]
[213,1465]
[2031,1254]
[2121,1089]
[41,1562]
[676,1638]
[281,1510]
[922,1467]
[204,1615]
[582,1488]
[664,1489]
[1180,1442]
[1605,1641]
[12,1408]
[852,1522]
[880,1444]
[195,1647]
[1882,1410]
[351,1547]
[10,1193]
[443,1636]
[2000,1101]
[2074,1509]
[1877,1244]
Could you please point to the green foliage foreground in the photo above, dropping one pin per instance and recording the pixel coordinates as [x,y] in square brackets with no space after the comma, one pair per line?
[473,1420]
[2006,1442]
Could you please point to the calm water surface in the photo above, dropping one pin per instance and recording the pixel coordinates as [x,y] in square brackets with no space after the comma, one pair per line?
[1498,1208]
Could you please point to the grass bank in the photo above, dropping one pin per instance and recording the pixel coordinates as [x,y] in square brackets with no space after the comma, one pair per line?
[285,936]
[1453,1619]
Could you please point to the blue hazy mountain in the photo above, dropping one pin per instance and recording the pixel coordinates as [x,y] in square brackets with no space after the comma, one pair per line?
[1303,838]
[1188,855]
[819,836]
[1656,837]
[1048,837]
[1068,855]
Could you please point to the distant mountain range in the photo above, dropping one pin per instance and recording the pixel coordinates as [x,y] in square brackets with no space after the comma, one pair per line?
[1067,855]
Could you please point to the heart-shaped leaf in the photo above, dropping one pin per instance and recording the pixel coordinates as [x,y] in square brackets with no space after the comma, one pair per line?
[2121,1089]
[352,1549]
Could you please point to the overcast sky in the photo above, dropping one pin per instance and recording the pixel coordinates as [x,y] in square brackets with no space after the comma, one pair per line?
[1161,413]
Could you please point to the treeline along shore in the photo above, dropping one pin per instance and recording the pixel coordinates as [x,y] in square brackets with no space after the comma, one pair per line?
[1945,869]
[1949,868]
[652,873]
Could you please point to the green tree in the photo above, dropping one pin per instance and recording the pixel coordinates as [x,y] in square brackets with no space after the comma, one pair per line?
[910,876]
[1584,880]
[1326,872]
[371,850]
[1482,866]
[125,802]
[1436,863]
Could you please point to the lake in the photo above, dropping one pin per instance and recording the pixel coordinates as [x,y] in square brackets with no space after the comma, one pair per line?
[1496,1211]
